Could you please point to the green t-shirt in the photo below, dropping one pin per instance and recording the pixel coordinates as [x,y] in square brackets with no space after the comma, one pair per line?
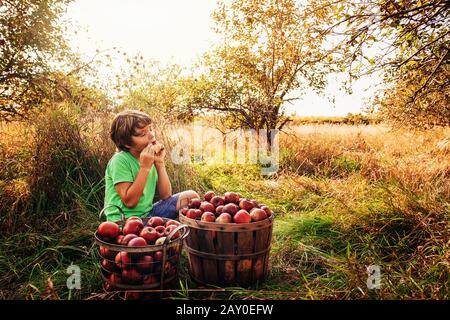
[123,167]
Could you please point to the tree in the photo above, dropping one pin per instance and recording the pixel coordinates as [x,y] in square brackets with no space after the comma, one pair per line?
[158,89]
[30,39]
[412,42]
[266,53]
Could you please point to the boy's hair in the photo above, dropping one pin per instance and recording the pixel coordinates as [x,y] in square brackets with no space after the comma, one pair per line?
[124,126]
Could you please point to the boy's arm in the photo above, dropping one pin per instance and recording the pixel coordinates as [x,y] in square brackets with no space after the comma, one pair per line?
[131,192]
[163,184]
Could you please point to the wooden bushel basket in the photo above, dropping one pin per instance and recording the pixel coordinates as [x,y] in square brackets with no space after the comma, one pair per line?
[228,253]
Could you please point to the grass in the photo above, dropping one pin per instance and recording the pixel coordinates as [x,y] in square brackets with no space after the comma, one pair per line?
[343,201]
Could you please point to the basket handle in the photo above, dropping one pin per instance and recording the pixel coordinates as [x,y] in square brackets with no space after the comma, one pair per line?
[122,215]
[182,226]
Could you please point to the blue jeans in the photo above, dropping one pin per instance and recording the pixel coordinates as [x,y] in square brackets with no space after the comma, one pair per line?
[165,208]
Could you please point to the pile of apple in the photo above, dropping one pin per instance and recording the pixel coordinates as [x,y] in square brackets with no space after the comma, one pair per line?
[123,267]
[229,208]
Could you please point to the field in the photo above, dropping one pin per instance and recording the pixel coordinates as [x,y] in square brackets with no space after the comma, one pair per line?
[345,198]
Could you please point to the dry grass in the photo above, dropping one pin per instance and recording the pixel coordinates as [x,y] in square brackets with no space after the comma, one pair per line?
[345,197]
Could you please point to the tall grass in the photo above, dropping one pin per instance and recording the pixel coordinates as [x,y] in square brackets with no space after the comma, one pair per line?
[343,200]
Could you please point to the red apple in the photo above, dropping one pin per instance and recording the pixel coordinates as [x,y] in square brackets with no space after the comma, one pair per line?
[156,221]
[184,211]
[194,203]
[191,214]
[218,211]
[246,204]
[209,195]
[108,230]
[172,222]
[150,279]
[119,238]
[206,206]
[137,242]
[131,276]
[254,203]
[144,265]
[230,208]
[161,230]
[217,201]
[169,229]
[123,260]
[128,238]
[134,218]
[224,218]
[133,226]
[242,216]
[158,255]
[149,234]
[108,265]
[268,211]
[208,217]
[198,213]
[107,254]
[115,279]
[231,197]
[258,215]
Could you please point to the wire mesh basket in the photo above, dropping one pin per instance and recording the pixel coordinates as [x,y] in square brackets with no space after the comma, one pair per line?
[143,267]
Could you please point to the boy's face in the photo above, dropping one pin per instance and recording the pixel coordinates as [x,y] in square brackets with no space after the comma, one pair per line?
[142,137]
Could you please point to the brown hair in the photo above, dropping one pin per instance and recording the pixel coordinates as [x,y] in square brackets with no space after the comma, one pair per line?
[124,126]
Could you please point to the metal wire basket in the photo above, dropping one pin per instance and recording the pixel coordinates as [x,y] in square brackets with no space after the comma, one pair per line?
[140,268]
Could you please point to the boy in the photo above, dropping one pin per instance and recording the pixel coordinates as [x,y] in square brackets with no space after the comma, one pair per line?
[135,172]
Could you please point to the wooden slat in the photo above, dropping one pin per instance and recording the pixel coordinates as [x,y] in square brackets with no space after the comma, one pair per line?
[266,258]
[259,262]
[205,238]
[245,244]
[225,245]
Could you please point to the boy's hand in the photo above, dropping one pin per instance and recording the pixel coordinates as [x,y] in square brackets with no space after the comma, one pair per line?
[159,157]
[147,157]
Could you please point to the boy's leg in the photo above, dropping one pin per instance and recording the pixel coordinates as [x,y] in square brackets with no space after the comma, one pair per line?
[169,208]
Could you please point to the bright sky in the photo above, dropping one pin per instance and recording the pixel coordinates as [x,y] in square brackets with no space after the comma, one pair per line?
[179,31]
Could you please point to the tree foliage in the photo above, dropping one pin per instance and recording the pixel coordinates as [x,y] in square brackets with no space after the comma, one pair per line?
[407,40]
[266,54]
[30,41]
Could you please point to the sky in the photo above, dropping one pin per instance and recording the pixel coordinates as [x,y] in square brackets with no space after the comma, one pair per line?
[179,31]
